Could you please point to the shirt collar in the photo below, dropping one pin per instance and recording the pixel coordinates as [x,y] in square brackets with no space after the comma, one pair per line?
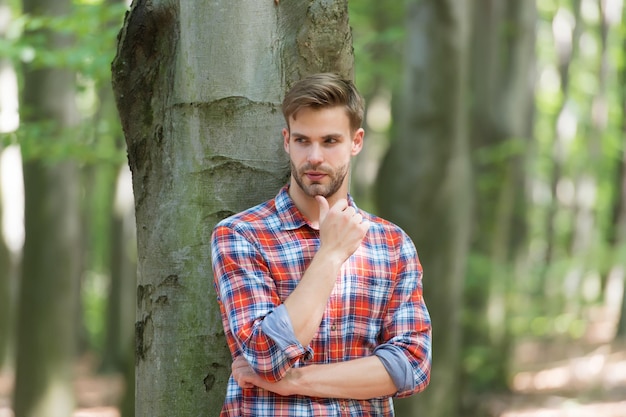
[289,215]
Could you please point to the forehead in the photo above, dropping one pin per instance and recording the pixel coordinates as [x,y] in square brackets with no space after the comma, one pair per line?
[326,118]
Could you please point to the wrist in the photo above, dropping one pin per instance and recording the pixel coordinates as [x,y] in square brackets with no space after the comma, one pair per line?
[331,257]
[295,382]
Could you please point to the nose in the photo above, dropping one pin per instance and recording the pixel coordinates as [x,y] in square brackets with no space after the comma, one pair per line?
[315,156]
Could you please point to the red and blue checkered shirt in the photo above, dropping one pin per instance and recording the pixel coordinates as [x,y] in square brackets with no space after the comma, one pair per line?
[260,255]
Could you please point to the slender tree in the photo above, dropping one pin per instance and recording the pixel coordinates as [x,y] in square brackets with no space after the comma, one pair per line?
[618,220]
[424,182]
[198,88]
[119,225]
[6,300]
[502,109]
[48,301]
[567,35]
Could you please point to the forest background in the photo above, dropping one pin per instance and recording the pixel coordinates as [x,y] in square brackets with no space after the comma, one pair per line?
[536,190]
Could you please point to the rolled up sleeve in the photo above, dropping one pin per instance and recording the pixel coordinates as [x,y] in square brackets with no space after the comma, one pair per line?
[247,298]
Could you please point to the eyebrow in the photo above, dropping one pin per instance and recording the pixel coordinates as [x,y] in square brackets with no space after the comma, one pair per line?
[328,136]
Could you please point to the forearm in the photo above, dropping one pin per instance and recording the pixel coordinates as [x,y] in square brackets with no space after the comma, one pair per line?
[307,303]
[358,379]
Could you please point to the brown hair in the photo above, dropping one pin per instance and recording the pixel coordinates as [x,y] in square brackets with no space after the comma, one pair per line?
[325,90]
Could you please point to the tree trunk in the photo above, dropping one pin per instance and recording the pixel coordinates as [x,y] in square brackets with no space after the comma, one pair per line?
[48,302]
[567,52]
[199,87]
[619,220]
[120,312]
[502,115]
[7,123]
[6,300]
[424,182]
[618,238]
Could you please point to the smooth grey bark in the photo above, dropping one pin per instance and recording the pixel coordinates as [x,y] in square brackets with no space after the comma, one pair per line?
[198,87]
[425,180]
[49,287]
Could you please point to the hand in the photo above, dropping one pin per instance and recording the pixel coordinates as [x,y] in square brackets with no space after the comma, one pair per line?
[243,373]
[342,228]
[245,377]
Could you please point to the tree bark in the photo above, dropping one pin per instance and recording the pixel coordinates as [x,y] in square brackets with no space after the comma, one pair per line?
[424,182]
[199,87]
[49,290]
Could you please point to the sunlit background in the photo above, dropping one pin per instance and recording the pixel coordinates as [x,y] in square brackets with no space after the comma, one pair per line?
[566,362]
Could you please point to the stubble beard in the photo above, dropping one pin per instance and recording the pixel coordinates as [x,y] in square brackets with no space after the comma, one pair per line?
[337,178]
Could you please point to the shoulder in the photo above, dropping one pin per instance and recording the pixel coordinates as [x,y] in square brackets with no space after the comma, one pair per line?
[383,232]
[384,226]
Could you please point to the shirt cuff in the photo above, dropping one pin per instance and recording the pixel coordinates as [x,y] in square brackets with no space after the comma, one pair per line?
[277,326]
[397,365]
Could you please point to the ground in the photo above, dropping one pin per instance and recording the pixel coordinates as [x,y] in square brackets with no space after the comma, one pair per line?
[557,378]
[569,378]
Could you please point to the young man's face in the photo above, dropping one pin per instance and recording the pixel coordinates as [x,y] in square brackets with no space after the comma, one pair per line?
[320,145]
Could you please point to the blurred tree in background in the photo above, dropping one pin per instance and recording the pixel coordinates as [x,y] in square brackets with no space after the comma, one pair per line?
[70,144]
[427,167]
[495,126]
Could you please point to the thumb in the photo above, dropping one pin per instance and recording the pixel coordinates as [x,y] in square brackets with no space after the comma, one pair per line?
[324,208]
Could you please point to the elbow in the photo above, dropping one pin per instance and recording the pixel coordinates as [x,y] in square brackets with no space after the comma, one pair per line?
[421,378]
[422,374]
[269,370]
[269,376]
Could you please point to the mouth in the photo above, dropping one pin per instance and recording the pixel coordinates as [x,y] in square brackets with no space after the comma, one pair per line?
[315,176]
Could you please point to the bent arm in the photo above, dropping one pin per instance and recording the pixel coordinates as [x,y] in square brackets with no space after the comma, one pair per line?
[358,379]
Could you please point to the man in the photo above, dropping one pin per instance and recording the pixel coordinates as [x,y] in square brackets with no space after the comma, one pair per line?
[321,302]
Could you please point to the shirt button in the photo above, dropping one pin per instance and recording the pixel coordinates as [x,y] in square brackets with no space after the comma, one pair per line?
[333,327]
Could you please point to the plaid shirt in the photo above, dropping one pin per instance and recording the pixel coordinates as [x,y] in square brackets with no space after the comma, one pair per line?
[259,257]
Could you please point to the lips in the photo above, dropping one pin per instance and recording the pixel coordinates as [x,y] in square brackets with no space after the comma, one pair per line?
[315,176]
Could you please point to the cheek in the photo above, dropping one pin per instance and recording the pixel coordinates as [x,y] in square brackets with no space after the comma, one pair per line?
[296,157]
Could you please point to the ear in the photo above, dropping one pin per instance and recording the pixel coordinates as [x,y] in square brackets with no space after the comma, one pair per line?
[286,139]
[357,141]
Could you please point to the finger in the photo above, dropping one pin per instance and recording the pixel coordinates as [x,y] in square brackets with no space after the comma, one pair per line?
[364,225]
[340,205]
[350,211]
[323,205]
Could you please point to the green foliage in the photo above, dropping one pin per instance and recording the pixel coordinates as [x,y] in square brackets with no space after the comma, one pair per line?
[379,36]
[89,35]
[44,140]
[91,30]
